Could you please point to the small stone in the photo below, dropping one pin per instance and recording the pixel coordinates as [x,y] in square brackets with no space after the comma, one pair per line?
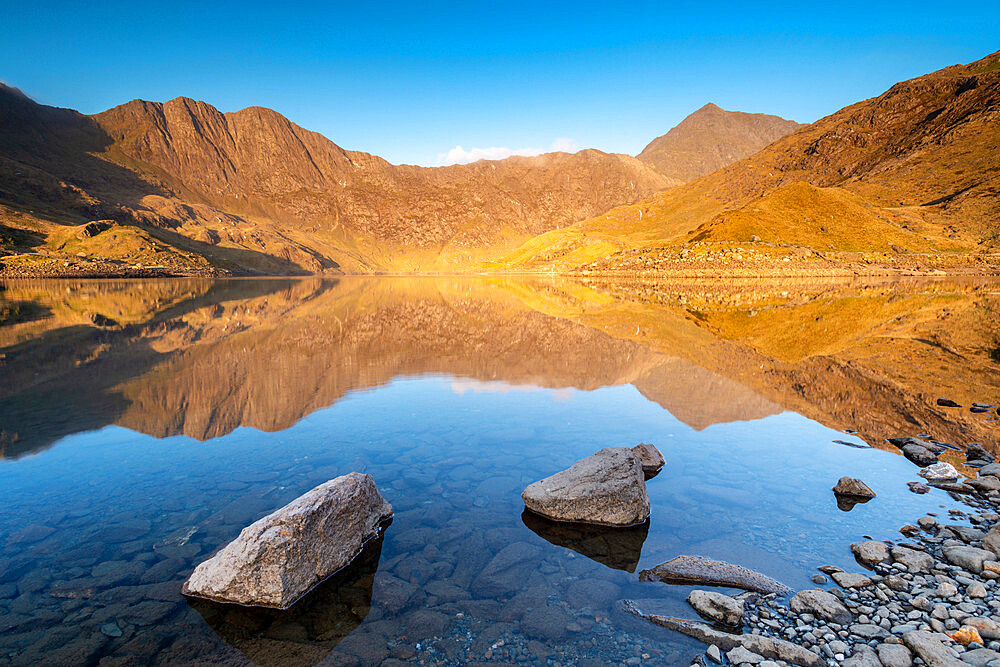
[819,579]
[714,654]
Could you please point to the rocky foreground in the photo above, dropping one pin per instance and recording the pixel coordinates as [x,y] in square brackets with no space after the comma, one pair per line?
[932,598]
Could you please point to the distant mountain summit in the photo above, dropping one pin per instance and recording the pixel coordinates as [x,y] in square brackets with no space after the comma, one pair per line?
[712,138]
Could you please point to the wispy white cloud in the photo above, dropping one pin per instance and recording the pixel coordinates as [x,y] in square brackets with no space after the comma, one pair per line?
[459,155]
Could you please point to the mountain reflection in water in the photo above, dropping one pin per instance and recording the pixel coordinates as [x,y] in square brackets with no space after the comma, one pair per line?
[143,424]
[201,358]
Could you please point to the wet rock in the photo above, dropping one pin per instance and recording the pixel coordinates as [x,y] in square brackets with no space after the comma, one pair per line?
[939,472]
[821,604]
[717,607]
[819,579]
[918,488]
[607,488]
[985,483]
[894,655]
[915,561]
[698,570]
[767,647]
[870,552]
[929,648]
[919,455]
[992,469]
[650,459]
[947,403]
[111,629]
[969,558]
[976,452]
[279,558]
[853,487]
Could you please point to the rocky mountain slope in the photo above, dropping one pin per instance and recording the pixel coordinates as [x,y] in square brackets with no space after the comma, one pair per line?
[252,191]
[712,138]
[913,171]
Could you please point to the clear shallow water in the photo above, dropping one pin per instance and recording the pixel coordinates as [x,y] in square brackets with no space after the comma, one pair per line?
[102,525]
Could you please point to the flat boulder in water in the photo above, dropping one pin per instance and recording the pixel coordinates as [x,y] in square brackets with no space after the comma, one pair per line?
[281,557]
[704,571]
[607,488]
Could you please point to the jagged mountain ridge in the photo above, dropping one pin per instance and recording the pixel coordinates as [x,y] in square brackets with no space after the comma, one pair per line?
[712,138]
[253,180]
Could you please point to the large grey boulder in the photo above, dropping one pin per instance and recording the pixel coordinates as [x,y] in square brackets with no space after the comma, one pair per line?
[819,603]
[717,607]
[281,557]
[607,488]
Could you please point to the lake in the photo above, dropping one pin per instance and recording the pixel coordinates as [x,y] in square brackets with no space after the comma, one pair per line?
[143,424]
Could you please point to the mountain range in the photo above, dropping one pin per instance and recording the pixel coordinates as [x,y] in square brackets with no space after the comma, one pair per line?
[181,188]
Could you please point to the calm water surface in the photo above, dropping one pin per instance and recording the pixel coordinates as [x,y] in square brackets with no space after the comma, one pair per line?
[144,424]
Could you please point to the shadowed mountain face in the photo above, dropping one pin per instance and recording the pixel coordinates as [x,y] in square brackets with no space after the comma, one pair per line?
[712,138]
[915,170]
[202,357]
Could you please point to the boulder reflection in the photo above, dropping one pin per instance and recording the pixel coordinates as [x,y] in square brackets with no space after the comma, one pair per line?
[618,548]
[306,632]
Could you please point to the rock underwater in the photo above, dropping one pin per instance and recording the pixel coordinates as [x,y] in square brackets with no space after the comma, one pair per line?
[281,557]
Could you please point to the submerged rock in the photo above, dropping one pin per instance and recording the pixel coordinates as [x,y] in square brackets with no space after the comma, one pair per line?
[650,459]
[767,647]
[698,570]
[607,488]
[717,607]
[281,557]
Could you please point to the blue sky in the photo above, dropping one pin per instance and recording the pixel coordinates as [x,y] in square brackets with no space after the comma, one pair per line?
[412,81]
